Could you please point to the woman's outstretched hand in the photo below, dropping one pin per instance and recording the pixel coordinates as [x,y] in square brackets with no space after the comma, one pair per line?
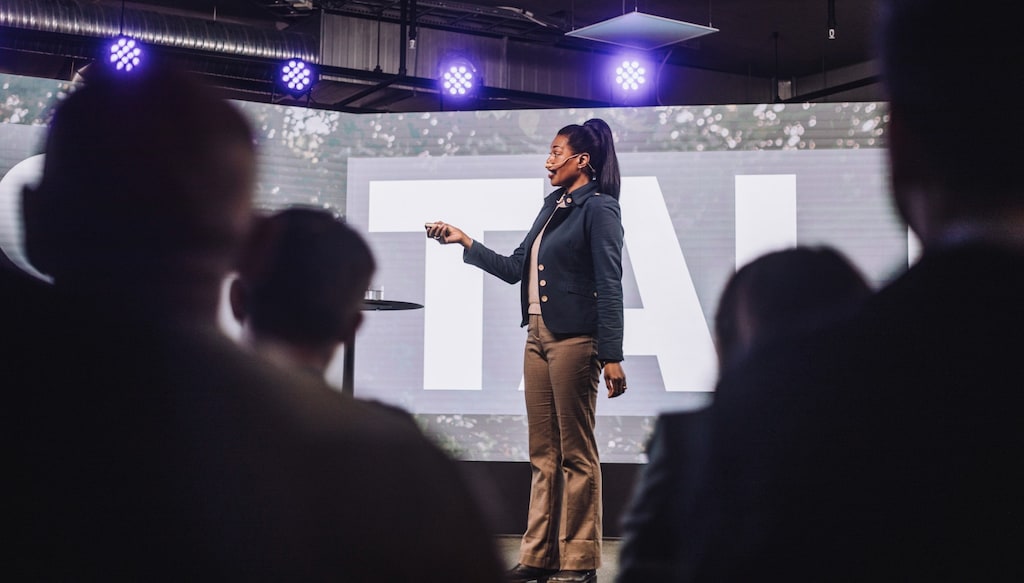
[444,233]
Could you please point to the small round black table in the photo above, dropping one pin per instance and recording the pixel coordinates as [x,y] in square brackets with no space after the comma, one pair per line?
[350,349]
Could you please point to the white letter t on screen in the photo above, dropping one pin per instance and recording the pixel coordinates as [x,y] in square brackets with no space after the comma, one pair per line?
[453,293]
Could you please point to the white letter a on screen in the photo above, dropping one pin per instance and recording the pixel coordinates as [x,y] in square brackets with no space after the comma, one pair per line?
[671,324]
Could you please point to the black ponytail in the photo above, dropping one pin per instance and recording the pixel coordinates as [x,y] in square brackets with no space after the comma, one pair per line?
[595,138]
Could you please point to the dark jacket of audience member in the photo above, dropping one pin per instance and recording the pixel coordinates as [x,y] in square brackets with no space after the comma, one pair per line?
[889,448]
[775,297]
[144,444]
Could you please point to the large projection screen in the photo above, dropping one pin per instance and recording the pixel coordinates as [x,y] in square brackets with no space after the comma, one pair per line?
[705,189]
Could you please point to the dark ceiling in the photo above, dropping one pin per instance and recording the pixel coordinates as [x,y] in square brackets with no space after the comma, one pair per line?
[782,39]
[745,44]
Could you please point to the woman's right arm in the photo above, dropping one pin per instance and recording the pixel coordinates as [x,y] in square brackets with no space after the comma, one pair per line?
[507,268]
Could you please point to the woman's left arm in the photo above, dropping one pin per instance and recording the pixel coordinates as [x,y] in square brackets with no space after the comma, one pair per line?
[606,235]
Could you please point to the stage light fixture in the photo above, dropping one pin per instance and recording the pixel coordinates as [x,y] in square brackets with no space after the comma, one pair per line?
[458,78]
[125,54]
[297,77]
[631,75]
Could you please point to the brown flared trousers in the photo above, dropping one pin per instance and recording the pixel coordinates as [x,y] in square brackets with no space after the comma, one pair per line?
[563,528]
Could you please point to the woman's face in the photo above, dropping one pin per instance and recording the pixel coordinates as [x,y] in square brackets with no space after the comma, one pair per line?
[565,167]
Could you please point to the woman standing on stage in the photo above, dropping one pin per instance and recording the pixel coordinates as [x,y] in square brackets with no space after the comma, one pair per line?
[570,266]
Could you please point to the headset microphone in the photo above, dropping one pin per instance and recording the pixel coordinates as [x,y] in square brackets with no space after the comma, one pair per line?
[559,167]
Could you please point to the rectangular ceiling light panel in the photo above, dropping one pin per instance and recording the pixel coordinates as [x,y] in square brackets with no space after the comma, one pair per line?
[637,30]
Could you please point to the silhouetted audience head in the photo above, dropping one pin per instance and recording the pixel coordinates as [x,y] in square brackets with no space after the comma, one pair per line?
[301,280]
[147,186]
[784,293]
[955,127]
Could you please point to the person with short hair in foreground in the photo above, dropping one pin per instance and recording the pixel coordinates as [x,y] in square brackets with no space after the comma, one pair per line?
[889,447]
[299,290]
[145,444]
[770,300]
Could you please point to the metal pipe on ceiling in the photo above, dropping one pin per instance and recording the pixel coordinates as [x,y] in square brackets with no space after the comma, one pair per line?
[75,17]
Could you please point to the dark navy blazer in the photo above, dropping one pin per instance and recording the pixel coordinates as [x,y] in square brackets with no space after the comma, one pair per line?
[579,267]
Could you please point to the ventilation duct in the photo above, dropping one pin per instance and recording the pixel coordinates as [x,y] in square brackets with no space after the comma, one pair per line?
[87,19]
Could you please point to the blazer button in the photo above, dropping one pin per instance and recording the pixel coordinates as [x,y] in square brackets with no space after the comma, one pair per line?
[595,294]
[543,298]
[543,282]
[540,267]
[568,201]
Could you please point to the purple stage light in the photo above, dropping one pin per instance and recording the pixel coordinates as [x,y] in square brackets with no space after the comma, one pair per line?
[125,54]
[296,77]
[458,77]
[631,75]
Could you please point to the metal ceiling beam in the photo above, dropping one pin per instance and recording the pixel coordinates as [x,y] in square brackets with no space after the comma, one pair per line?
[830,91]
[368,91]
